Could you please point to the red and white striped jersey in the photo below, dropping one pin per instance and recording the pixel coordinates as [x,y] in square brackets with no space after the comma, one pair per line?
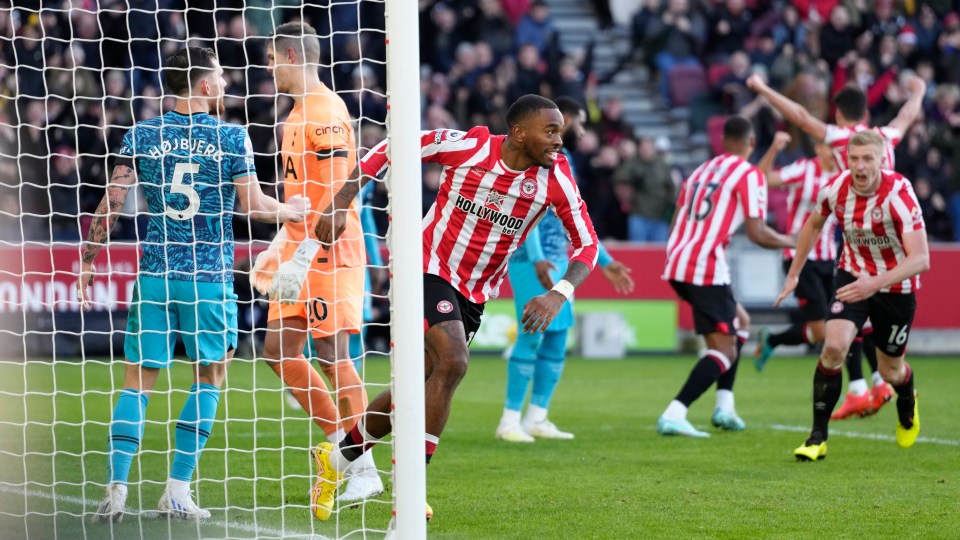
[804,178]
[713,203]
[873,226]
[839,137]
[484,209]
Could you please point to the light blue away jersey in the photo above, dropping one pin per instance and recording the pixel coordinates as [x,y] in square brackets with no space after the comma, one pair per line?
[186,166]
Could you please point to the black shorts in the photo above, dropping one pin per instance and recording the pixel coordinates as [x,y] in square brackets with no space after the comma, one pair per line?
[815,288]
[890,314]
[442,302]
[714,308]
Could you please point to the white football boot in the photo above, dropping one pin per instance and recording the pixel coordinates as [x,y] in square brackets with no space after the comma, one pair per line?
[512,432]
[179,503]
[545,429]
[363,480]
[113,506]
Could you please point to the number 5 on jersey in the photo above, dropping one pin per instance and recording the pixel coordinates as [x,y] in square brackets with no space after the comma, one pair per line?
[179,188]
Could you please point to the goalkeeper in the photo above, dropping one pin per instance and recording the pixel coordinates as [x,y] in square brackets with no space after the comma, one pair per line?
[192,167]
[316,290]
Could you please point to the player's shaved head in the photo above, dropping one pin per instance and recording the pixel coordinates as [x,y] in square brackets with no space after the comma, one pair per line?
[738,136]
[301,37]
[186,67]
[526,106]
[737,129]
[852,103]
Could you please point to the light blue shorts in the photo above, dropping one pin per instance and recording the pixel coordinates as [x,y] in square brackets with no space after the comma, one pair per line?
[202,314]
[523,280]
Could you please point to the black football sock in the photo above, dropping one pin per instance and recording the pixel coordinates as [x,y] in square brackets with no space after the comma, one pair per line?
[854,363]
[727,378]
[702,377]
[905,399]
[795,335]
[870,351]
[827,386]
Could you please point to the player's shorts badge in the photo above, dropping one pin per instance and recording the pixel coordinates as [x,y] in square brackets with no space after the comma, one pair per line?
[528,188]
[836,308]
[444,306]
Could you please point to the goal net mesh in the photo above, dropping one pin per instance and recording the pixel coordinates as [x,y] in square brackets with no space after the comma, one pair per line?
[74,77]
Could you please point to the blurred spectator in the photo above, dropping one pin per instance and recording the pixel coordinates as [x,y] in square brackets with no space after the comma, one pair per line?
[644,184]
[728,26]
[837,36]
[732,87]
[927,29]
[536,27]
[489,24]
[790,30]
[598,193]
[675,39]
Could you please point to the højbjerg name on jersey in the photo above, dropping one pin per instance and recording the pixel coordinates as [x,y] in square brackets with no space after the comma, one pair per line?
[186,166]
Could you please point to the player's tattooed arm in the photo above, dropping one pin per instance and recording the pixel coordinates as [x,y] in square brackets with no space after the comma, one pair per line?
[105,219]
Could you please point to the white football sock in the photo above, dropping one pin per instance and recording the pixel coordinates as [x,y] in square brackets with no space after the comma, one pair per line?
[877,379]
[337,436]
[510,417]
[858,387]
[675,411]
[725,400]
[178,488]
[534,415]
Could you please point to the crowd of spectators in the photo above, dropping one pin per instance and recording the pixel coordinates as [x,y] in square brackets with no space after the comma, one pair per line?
[76,75]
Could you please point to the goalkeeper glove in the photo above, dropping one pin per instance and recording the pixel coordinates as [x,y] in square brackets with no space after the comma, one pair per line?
[288,279]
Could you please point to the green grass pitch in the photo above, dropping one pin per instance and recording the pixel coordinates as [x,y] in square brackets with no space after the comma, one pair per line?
[618,479]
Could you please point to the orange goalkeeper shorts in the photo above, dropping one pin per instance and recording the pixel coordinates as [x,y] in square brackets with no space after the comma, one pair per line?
[331,300]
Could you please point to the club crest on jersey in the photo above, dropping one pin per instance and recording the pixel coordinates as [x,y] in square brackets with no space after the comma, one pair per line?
[836,308]
[444,306]
[877,214]
[528,188]
[495,200]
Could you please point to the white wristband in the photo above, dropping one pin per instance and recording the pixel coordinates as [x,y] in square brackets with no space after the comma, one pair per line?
[564,287]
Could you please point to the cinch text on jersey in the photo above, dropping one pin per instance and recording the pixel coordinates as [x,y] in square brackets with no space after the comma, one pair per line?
[327,130]
[511,225]
[197,147]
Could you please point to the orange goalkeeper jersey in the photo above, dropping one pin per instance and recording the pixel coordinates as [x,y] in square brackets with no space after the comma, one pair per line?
[318,154]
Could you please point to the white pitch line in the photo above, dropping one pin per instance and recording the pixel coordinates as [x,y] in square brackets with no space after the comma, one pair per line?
[859,435]
[259,531]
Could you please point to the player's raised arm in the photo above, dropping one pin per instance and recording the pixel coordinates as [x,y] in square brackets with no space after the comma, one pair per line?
[780,141]
[121,179]
[912,108]
[792,111]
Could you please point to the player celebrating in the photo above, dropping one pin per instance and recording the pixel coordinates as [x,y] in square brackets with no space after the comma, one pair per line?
[851,104]
[884,252]
[717,198]
[804,178]
[495,189]
[192,167]
[539,261]
[316,289]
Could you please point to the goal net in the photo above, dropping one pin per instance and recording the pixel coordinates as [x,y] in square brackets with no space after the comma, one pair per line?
[74,78]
